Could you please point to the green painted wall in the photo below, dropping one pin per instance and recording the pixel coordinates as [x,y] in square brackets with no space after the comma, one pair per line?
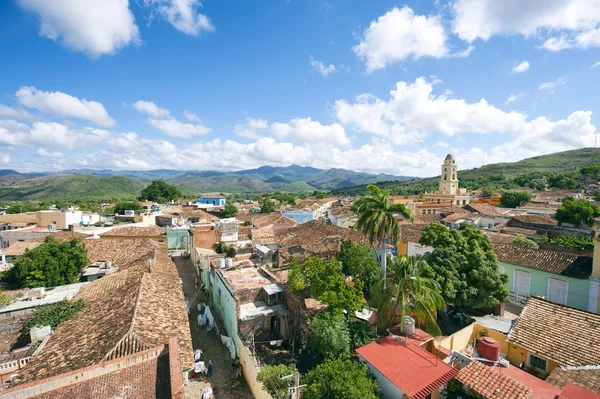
[578,289]
[223,302]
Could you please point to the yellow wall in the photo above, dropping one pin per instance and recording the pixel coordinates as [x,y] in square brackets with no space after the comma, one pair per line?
[459,340]
[516,355]
[250,370]
[402,248]
[46,218]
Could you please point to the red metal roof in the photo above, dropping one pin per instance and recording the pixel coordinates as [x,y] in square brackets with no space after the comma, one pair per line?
[573,391]
[412,369]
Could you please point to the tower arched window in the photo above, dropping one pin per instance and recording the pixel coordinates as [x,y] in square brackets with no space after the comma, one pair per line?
[445,177]
[453,176]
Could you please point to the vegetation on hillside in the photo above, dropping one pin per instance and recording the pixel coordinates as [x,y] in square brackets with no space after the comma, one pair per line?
[161,192]
[50,264]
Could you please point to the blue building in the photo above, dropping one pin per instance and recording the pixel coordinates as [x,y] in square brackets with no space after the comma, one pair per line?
[217,201]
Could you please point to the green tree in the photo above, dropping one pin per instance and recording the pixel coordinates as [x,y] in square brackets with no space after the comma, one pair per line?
[160,191]
[329,335]
[512,199]
[358,261]
[408,292]
[523,241]
[121,207]
[51,264]
[465,266]
[230,211]
[577,212]
[592,170]
[488,192]
[327,284]
[267,206]
[376,219]
[340,379]
[55,314]
[361,334]
[270,377]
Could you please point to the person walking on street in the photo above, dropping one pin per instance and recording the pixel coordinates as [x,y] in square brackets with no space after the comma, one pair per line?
[209,373]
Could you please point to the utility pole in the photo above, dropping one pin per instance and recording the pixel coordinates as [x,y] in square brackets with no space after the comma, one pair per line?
[294,391]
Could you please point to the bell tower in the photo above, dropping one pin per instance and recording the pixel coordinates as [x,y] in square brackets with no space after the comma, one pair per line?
[449,177]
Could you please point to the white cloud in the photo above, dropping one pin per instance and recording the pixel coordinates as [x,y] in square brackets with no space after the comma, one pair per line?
[64,105]
[42,152]
[14,113]
[311,132]
[441,144]
[481,19]
[512,98]
[400,34]
[582,40]
[49,135]
[521,67]
[551,86]
[90,26]
[413,111]
[464,53]
[149,108]
[596,65]
[321,68]
[190,116]
[251,127]
[183,15]
[175,128]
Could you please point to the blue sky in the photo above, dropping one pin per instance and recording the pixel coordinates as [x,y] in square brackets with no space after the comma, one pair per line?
[375,86]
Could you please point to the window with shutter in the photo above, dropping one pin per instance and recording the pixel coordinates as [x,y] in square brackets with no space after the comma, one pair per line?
[521,283]
[558,290]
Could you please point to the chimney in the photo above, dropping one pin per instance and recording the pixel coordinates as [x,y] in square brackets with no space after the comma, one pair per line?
[149,265]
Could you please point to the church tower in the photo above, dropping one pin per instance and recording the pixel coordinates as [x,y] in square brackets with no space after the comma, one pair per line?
[449,177]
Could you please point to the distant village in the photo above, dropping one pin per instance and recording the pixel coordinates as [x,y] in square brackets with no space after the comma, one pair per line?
[185,299]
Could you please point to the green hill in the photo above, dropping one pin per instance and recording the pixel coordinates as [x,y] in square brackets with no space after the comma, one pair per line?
[71,187]
[297,187]
[557,163]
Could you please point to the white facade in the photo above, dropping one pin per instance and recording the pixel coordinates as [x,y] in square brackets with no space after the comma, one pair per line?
[449,176]
[9,237]
[389,390]
[414,249]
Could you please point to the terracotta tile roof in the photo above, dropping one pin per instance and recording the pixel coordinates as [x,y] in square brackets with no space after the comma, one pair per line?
[18,248]
[123,253]
[455,217]
[491,384]
[517,230]
[131,231]
[341,211]
[260,221]
[484,209]
[588,379]
[499,238]
[565,264]
[22,219]
[411,232]
[535,205]
[64,236]
[534,218]
[419,218]
[412,369]
[314,232]
[566,335]
[128,311]
[189,212]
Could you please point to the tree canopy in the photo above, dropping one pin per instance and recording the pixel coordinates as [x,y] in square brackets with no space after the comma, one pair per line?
[512,199]
[340,379]
[267,206]
[358,261]
[326,283]
[577,212]
[523,241]
[160,191]
[121,207]
[270,377]
[51,264]
[230,211]
[329,335]
[465,266]
[377,219]
[408,292]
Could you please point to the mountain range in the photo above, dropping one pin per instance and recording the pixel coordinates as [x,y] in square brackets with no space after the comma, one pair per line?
[92,184]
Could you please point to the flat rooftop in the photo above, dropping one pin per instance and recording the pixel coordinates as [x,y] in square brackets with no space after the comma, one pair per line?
[52,295]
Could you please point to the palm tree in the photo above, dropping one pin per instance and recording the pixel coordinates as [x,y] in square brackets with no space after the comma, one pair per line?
[410,293]
[376,219]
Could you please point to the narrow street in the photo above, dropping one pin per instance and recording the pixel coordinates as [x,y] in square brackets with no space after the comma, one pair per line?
[223,381]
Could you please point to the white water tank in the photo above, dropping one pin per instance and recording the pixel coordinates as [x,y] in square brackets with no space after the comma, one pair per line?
[228,262]
[408,325]
[221,263]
